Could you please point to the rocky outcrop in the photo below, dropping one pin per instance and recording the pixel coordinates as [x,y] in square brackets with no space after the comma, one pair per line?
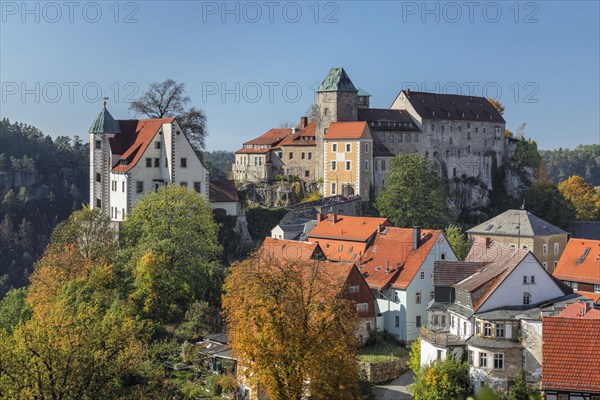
[277,194]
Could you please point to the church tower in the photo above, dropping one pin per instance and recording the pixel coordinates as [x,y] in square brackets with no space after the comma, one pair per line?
[103,129]
[337,101]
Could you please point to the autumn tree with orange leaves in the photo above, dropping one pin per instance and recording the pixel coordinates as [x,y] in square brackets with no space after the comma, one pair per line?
[80,341]
[291,330]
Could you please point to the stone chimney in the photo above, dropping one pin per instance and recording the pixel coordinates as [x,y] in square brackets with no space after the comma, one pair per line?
[334,218]
[488,242]
[387,266]
[416,242]
[320,216]
[303,122]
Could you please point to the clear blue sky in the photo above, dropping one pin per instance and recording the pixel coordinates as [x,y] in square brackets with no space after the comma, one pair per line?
[543,56]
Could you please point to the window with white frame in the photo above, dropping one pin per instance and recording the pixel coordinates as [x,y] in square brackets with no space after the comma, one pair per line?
[575,286]
[556,248]
[366,165]
[348,165]
[418,298]
[362,307]
[139,186]
[333,188]
[499,330]
[348,147]
[544,249]
[334,147]
[526,298]
[333,165]
[353,289]
[498,361]
[482,360]
[596,288]
[487,329]
[422,275]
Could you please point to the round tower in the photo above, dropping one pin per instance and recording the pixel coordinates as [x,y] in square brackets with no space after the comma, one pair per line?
[102,130]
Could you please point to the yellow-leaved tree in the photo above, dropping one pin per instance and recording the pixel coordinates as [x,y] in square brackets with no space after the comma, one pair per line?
[291,329]
[583,196]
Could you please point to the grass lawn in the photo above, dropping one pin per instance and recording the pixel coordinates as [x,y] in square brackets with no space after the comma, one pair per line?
[382,351]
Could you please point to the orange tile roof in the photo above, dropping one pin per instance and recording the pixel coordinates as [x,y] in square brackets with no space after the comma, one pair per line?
[579,310]
[348,228]
[283,249]
[253,150]
[295,139]
[570,354]
[590,295]
[341,250]
[139,134]
[588,271]
[393,248]
[346,130]
[271,137]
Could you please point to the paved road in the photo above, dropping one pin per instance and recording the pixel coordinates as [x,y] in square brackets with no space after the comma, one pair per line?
[397,389]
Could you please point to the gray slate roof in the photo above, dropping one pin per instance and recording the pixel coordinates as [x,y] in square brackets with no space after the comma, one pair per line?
[452,107]
[516,223]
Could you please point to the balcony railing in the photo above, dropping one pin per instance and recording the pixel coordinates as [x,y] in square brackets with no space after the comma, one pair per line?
[441,338]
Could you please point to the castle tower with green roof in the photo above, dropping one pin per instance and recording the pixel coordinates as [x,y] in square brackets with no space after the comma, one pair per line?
[102,130]
[337,100]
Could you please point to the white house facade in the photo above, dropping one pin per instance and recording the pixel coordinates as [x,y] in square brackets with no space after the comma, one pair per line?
[129,158]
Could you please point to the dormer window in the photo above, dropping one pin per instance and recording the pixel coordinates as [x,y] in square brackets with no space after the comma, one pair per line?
[123,162]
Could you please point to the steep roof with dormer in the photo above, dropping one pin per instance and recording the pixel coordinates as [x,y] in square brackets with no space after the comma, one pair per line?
[452,107]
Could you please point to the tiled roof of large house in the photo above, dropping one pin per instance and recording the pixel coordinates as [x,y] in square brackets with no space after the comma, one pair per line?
[223,191]
[302,137]
[447,273]
[282,249]
[382,119]
[348,228]
[580,262]
[346,130]
[516,223]
[570,354]
[581,309]
[391,259]
[132,141]
[453,107]
[266,142]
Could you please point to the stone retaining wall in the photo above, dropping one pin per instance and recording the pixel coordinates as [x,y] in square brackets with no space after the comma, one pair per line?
[379,372]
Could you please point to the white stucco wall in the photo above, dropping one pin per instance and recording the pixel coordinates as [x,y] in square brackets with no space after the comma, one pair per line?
[510,292]
[230,207]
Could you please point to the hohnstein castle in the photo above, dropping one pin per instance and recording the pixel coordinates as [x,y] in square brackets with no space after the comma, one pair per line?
[348,145]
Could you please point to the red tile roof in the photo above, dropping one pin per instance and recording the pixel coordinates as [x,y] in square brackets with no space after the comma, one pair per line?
[570,268]
[341,250]
[271,137]
[296,139]
[580,310]
[253,150]
[348,228]
[133,140]
[346,130]
[593,296]
[283,249]
[393,248]
[571,360]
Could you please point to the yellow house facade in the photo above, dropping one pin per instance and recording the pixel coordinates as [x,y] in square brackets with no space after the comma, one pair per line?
[348,160]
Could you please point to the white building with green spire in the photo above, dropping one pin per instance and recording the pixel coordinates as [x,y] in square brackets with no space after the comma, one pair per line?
[129,158]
